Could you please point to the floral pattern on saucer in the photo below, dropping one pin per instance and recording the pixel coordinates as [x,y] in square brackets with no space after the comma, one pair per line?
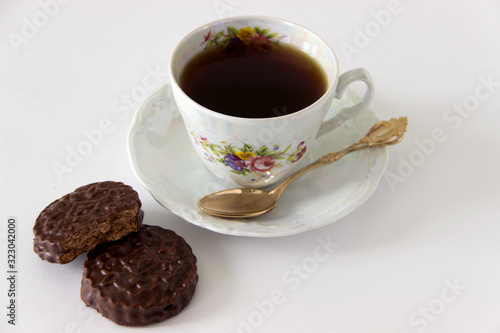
[255,163]
[235,39]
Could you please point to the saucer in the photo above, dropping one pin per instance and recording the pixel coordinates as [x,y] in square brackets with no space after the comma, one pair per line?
[165,162]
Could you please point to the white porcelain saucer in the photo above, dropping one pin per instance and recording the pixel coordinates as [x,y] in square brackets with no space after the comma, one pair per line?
[165,162]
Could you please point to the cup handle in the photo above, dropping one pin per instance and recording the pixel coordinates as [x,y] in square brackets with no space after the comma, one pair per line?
[358,74]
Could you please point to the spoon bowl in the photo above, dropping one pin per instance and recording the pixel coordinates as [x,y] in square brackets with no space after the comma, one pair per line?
[251,202]
[238,202]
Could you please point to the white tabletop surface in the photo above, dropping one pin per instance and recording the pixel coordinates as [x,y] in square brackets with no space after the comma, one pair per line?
[421,255]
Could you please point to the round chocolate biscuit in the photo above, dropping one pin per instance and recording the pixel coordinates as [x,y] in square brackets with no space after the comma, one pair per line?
[144,278]
[92,214]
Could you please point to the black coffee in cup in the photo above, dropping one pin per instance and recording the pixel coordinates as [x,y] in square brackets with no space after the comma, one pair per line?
[257,79]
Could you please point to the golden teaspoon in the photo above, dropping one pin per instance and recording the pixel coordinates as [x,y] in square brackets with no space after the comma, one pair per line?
[250,202]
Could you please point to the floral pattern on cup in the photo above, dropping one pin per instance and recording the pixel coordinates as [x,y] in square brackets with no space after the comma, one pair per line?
[255,163]
[233,39]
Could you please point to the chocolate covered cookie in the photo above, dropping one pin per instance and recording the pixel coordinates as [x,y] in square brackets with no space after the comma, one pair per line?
[93,214]
[144,278]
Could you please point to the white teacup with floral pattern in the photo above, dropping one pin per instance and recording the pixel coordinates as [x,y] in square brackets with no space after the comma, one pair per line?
[256,152]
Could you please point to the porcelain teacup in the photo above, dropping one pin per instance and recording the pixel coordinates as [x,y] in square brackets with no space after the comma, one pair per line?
[257,152]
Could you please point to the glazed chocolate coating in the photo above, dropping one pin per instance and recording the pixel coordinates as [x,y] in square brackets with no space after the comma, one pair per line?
[79,221]
[144,278]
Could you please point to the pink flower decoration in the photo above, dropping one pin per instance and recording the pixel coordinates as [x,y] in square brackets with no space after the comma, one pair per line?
[257,36]
[260,164]
[299,154]
[259,42]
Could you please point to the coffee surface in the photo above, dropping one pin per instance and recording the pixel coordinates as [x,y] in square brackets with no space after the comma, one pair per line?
[253,82]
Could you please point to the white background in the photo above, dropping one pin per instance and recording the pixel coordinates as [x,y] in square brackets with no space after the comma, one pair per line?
[421,255]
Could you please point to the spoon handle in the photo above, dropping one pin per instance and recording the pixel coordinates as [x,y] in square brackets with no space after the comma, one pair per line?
[383,133]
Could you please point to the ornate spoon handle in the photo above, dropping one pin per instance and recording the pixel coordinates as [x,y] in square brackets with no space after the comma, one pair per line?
[383,133]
